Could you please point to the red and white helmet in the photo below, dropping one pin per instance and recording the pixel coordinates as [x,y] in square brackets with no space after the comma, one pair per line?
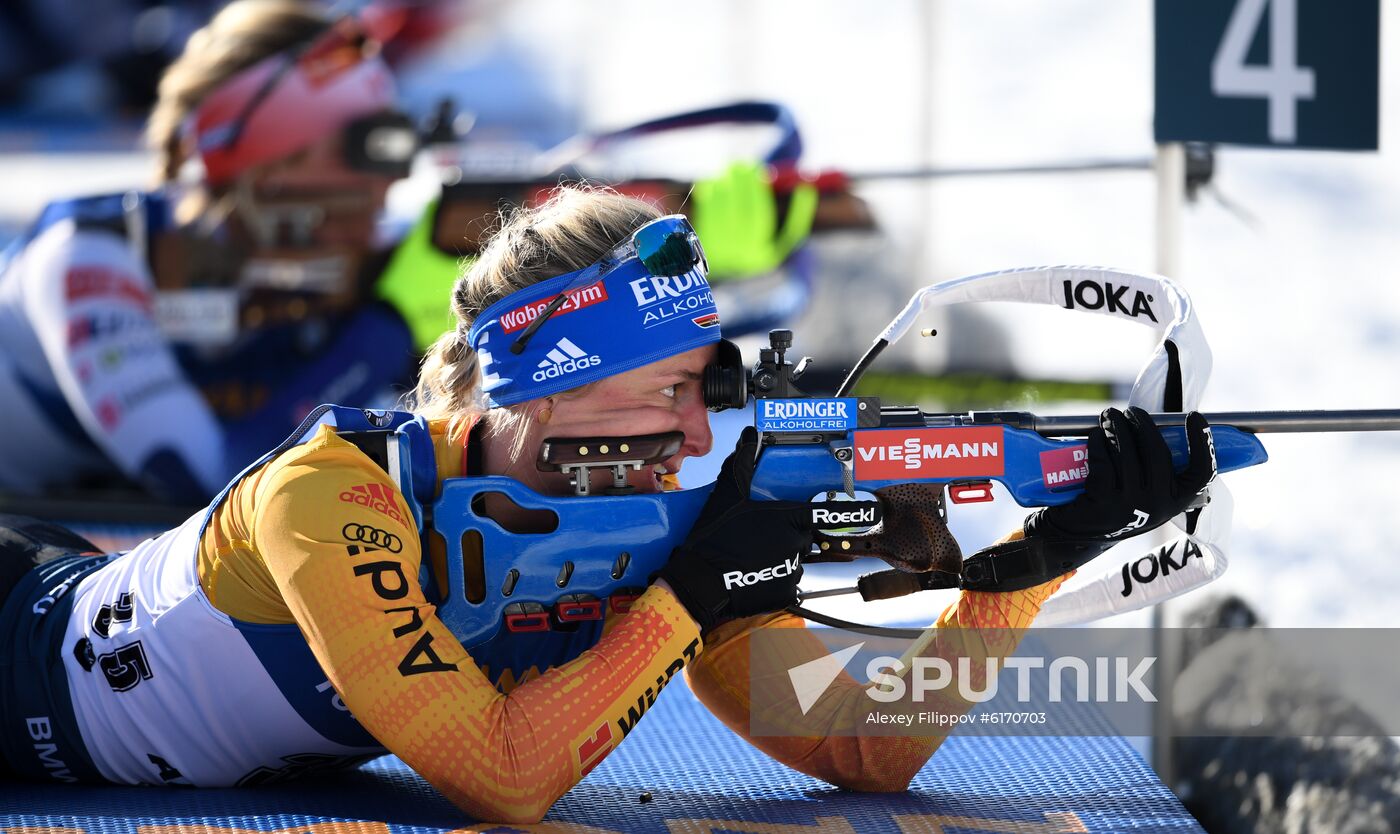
[290,100]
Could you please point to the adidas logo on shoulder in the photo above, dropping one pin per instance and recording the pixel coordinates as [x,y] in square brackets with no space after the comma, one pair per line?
[565,358]
[377,497]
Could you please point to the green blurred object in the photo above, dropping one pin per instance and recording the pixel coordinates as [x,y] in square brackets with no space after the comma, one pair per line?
[418,282]
[736,216]
[972,391]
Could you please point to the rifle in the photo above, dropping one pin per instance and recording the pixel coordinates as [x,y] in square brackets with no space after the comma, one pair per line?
[467,210]
[818,447]
[909,459]
[471,198]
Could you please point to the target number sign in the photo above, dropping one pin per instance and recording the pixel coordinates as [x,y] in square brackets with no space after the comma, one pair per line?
[1283,73]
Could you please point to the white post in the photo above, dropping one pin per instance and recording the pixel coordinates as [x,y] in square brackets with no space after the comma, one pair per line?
[926,129]
[933,353]
[1171,198]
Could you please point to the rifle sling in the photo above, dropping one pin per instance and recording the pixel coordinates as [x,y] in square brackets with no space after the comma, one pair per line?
[1025,563]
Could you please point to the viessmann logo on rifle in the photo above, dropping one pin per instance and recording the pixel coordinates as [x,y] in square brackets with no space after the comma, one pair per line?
[884,454]
[520,317]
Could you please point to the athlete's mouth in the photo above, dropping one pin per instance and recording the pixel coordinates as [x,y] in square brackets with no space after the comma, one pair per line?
[660,470]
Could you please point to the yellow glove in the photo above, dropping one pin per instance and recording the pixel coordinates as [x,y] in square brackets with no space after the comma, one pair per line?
[418,281]
[736,217]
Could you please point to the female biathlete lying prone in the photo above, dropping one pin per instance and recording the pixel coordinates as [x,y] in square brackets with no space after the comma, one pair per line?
[236,648]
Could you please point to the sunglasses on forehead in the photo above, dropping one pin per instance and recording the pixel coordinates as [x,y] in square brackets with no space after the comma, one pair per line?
[382,143]
[666,247]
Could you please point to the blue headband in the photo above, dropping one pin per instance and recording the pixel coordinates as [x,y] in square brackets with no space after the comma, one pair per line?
[622,321]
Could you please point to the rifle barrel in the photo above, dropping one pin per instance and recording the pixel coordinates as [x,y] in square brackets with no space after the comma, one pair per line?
[1256,422]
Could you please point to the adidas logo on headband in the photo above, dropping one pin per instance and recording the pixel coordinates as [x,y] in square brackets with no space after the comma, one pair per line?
[565,358]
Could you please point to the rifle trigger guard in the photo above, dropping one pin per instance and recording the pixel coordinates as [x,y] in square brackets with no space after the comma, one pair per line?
[970,492]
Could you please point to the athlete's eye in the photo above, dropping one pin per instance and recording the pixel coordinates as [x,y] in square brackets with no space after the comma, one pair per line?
[669,392]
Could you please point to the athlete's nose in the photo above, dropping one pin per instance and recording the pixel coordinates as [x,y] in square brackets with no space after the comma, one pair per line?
[695,422]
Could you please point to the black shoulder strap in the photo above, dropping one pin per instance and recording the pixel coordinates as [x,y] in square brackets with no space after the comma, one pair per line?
[1011,566]
[1015,566]
[374,443]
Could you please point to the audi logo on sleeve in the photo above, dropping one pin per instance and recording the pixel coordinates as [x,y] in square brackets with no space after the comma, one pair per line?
[372,536]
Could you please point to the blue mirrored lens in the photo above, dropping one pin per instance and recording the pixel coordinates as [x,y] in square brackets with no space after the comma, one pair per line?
[667,247]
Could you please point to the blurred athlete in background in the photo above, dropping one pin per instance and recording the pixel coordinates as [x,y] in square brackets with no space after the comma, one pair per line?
[169,338]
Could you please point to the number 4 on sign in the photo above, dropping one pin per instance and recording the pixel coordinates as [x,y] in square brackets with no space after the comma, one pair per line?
[1282,82]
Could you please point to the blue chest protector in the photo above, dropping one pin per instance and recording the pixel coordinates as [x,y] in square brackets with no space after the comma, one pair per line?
[517,601]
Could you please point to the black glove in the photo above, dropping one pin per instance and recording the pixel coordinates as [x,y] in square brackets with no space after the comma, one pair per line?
[1132,486]
[741,557]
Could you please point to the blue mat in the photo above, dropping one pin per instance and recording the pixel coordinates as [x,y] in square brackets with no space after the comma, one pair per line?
[702,778]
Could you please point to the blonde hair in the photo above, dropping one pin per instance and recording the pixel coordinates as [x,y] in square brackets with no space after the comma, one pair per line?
[243,33]
[575,227]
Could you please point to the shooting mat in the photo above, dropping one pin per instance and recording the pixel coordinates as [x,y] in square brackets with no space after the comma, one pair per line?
[701,777]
